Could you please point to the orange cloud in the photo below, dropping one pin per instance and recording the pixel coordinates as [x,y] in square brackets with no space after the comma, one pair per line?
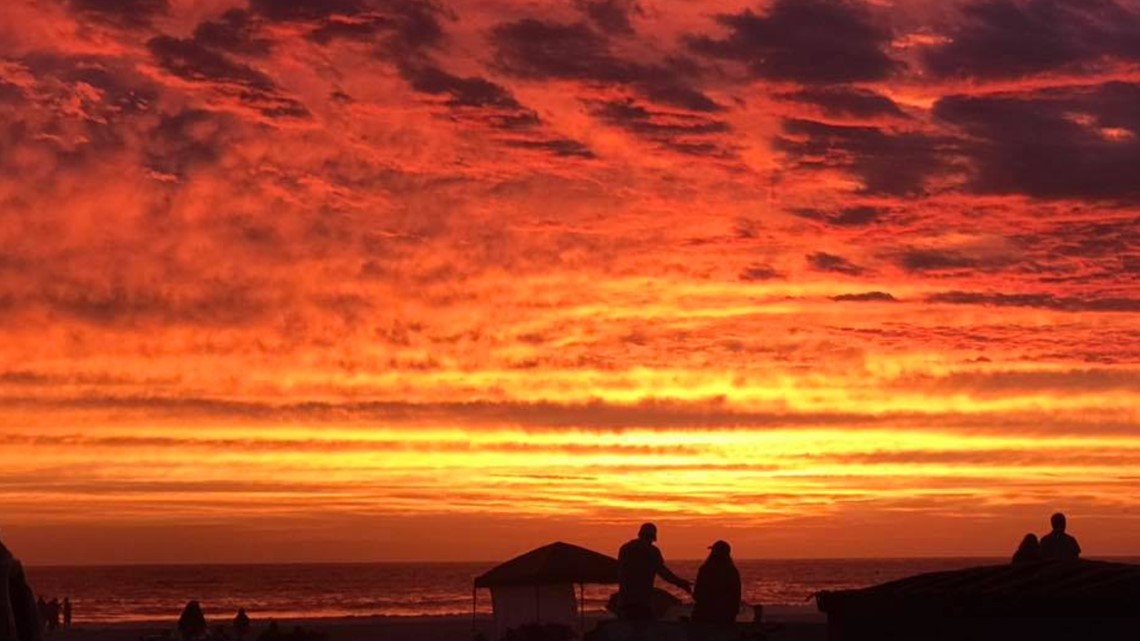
[423,267]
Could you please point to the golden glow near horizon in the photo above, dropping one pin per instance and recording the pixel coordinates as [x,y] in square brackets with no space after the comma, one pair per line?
[409,280]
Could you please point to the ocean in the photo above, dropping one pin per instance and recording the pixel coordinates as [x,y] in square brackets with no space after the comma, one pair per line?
[158,593]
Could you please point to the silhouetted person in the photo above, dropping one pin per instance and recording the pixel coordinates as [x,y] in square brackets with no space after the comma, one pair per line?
[1057,545]
[192,622]
[20,617]
[639,563]
[717,591]
[1029,551]
[241,623]
[53,615]
[67,612]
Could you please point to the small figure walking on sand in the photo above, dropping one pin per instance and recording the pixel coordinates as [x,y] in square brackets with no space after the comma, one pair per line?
[192,622]
[53,615]
[1057,545]
[241,624]
[67,612]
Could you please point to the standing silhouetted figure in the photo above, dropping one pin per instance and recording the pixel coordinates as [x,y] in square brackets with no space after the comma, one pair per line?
[1057,545]
[67,612]
[639,563]
[717,591]
[53,615]
[241,623]
[192,622]
[20,618]
[1029,550]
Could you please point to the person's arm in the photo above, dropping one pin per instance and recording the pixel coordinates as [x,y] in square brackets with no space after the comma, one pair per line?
[667,574]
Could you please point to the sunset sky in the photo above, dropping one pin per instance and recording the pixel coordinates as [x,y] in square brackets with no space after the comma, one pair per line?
[336,280]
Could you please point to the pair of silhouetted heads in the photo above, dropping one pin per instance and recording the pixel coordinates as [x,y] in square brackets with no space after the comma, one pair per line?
[1057,545]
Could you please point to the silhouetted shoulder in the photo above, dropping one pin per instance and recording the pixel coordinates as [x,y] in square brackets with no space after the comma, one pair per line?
[1060,546]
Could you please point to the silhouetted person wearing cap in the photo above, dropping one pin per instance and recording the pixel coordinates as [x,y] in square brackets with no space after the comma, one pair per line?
[717,591]
[639,563]
[1057,545]
[1029,551]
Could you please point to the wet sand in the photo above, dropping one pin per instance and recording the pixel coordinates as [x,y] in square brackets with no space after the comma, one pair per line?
[785,623]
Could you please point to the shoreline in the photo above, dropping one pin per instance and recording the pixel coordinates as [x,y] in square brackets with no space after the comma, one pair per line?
[794,623]
[775,611]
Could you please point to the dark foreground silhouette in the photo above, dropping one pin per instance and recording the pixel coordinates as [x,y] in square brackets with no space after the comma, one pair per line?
[717,592]
[1042,601]
[639,563]
[1058,545]
[20,617]
[1029,551]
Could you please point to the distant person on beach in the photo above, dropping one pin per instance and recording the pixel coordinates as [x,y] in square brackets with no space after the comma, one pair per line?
[67,612]
[1029,551]
[192,622]
[639,563]
[1058,545]
[53,615]
[241,624]
[20,618]
[717,591]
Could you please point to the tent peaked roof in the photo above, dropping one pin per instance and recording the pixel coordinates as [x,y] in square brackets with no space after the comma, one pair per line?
[555,563]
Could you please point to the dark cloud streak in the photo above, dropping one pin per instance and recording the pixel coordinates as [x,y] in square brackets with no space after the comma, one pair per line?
[808,41]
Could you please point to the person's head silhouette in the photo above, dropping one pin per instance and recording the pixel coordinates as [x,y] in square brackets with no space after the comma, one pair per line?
[720,549]
[1058,521]
[648,532]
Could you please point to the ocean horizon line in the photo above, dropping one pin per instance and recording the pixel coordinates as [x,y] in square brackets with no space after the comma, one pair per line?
[220,564]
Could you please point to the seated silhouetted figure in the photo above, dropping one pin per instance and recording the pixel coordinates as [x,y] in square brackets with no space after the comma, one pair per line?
[717,591]
[639,564]
[1029,551]
[192,623]
[1057,545]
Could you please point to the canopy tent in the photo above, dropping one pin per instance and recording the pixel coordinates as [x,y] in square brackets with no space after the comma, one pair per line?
[538,587]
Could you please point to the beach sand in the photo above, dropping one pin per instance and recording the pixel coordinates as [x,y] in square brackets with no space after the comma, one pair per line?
[786,624]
